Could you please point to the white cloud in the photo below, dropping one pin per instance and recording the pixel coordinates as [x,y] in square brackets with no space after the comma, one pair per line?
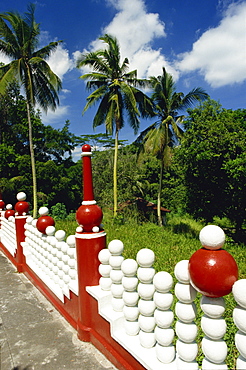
[220,52]
[56,116]
[135,30]
[59,61]
[4,59]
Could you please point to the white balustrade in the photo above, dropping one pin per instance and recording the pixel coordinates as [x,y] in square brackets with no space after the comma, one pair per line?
[52,258]
[146,326]
[8,233]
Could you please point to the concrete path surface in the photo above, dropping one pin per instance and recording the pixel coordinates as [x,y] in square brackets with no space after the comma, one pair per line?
[33,335]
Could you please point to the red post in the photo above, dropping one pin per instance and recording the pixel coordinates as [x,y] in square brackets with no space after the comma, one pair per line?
[20,237]
[21,208]
[90,239]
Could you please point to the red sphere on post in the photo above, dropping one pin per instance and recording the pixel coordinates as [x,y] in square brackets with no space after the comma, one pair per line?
[8,213]
[213,272]
[22,207]
[43,222]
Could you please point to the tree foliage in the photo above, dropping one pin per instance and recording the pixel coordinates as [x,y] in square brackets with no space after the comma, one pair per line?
[214,160]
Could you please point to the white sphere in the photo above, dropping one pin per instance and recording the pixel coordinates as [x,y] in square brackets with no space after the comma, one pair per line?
[50,230]
[29,220]
[130,283]
[147,340]
[208,365]
[71,240]
[131,327]
[21,196]
[214,350]
[116,276]
[164,336]
[240,341]
[212,237]
[79,229]
[146,323]
[145,274]
[146,291]
[131,313]
[117,290]
[116,247]
[95,229]
[213,328]
[9,206]
[185,292]
[163,301]
[145,257]
[43,211]
[104,256]
[181,271]
[213,307]
[186,332]
[239,292]
[130,298]
[129,267]
[239,318]
[146,308]
[117,304]
[163,281]
[163,319]
[105,283]
[186,312]
[241,363]
[116,261]
[187,351]
[165,354]
[104,270]
[60,235]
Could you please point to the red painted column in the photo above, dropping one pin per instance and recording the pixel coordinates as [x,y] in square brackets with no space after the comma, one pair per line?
[21,208]
[90,239]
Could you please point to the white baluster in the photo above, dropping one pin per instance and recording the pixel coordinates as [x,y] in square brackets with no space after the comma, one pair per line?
[164,333]
[185,327]
[146,305]
[130,296]
[116,248]
[239,318]
[214,328]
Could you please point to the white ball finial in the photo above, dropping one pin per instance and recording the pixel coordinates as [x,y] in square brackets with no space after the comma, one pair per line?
[212,237]
[21,196]
[43,211]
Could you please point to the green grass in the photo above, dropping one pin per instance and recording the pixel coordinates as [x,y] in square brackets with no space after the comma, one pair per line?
[176,241]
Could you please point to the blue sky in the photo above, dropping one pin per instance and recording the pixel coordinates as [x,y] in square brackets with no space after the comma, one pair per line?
[202,43]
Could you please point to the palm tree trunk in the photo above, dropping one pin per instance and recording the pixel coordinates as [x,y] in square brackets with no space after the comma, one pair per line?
[115,171]
[34,177]
[159,195]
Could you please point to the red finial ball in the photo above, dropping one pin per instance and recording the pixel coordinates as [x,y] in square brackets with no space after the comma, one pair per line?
[21,207]
[89,216]
[9,212]
[213,271]
[86,148]
[44,221]
[2,205]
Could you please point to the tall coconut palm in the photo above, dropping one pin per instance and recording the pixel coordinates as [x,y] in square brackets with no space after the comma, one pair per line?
[116,91]
[162,135]
[19,39]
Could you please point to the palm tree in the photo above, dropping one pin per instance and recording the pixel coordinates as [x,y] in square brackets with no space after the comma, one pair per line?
[161,136]
[116,91]
[19,38]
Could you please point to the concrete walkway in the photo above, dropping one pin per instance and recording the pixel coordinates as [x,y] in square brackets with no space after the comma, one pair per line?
[33,335]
